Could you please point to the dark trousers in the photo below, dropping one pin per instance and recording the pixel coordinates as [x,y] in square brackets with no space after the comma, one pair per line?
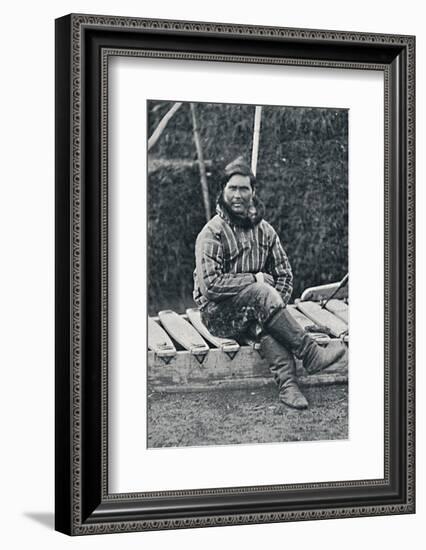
[247,313]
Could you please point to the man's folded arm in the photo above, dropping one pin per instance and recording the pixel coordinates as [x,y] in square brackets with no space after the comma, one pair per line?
[280,268]
[214,284]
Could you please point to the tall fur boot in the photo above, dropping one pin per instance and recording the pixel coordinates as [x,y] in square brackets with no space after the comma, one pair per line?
[284,328]
[282,365]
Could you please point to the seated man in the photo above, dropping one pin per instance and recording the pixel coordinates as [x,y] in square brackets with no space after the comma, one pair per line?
[243,282]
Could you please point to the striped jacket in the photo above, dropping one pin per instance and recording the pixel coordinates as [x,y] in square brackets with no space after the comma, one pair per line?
[227,257]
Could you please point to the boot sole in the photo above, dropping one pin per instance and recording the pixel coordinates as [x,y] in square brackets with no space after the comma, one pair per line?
[295,407]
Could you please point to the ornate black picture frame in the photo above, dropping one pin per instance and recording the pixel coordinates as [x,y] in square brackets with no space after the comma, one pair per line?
[84,44]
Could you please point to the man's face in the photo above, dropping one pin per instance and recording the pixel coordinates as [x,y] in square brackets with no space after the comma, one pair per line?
[238,193]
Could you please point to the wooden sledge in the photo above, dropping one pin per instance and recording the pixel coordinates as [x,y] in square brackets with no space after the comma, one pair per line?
[202,361]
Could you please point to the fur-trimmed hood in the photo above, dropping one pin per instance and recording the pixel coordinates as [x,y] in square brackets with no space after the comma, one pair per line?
[255,213]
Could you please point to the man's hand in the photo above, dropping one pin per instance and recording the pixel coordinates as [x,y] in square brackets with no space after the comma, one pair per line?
[269,279]
[265,278]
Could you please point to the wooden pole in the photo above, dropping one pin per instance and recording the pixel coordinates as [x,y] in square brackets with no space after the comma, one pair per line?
[201,164]
[256,135]
[162,125]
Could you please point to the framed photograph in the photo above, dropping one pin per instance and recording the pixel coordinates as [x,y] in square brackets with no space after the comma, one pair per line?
[234,274]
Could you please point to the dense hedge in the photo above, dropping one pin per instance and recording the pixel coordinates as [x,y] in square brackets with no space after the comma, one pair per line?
[302,179]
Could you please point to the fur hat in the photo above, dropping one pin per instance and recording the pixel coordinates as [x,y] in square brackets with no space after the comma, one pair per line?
[238,166]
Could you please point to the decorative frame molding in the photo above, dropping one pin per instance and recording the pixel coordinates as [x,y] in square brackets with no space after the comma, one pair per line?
[84,43]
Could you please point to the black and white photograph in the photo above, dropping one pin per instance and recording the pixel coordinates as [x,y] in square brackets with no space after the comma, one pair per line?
[247,274]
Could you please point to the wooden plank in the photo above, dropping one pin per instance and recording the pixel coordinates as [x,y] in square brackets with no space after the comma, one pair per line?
[339,309]
[299,316]
[184,369]
[227,345]
[183,332]
[248,341]
[321,316]
[159,341]
[305,323]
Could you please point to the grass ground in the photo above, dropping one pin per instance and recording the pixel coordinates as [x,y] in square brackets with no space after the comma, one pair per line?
[224,417]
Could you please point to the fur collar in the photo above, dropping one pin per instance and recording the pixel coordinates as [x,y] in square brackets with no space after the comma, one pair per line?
[255,214]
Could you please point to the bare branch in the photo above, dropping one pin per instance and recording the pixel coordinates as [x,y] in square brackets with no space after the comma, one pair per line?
[162,125]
